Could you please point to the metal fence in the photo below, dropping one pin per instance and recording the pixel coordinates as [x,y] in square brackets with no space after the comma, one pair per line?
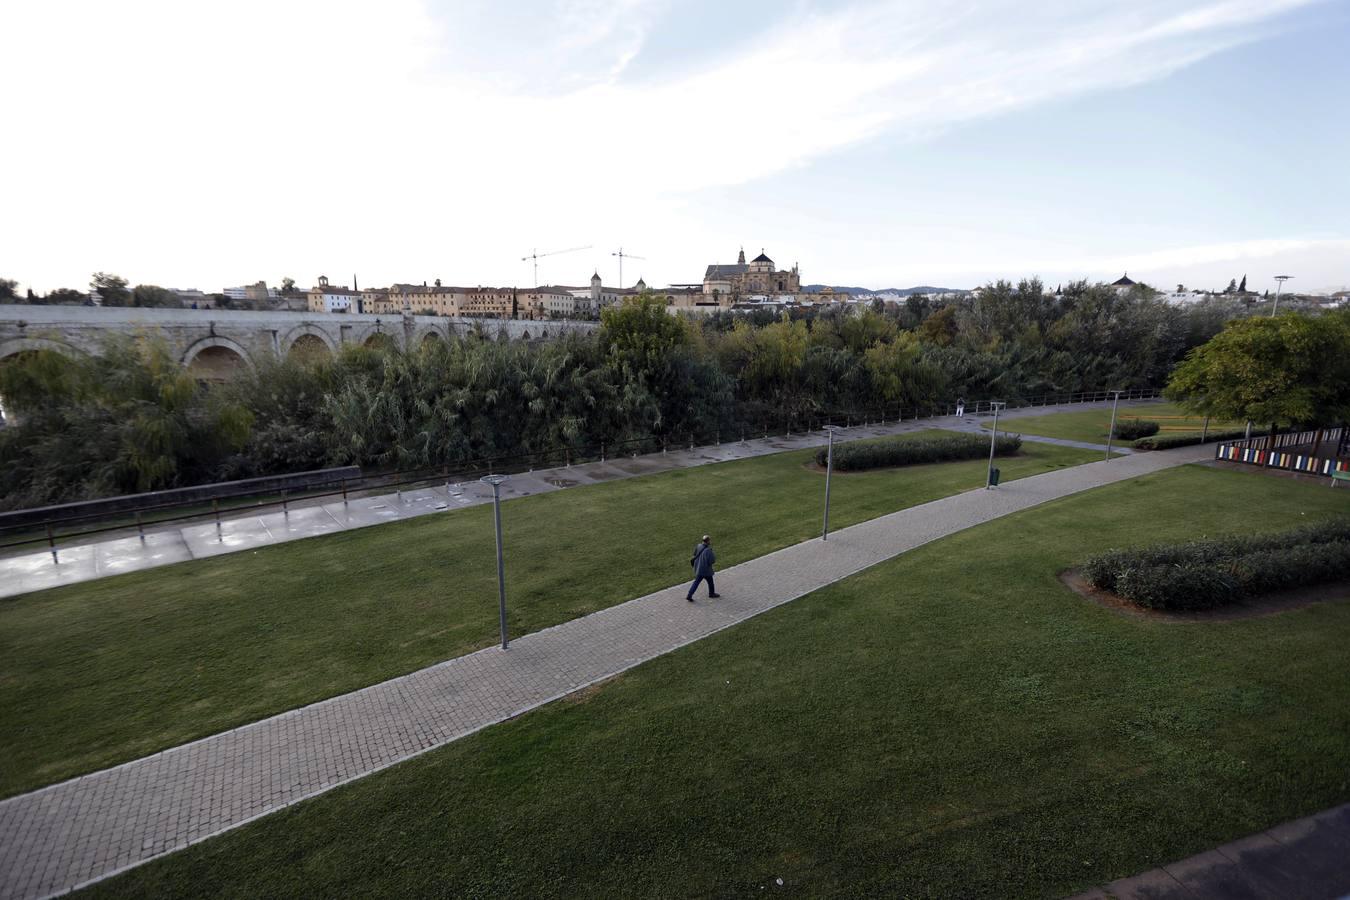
[1287,451]
[49,532]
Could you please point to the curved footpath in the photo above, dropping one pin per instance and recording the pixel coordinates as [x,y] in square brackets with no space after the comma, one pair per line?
[87,559]
[80,831]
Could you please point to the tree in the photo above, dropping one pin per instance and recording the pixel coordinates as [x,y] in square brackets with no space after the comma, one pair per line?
[940,328]
[111,288]
[155,296]
[1285,370]
[1232,286]
[8,294]
[66,297]
[288,286]
[1242,288]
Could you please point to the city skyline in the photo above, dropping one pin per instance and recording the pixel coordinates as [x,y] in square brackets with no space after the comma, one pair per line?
[878,144]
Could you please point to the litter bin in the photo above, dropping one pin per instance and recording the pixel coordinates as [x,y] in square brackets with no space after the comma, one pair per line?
[993,477]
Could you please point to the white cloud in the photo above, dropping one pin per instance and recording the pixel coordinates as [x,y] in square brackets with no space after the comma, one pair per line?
[196,145]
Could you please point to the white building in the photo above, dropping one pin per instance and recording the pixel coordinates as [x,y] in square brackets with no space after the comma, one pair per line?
[333,298]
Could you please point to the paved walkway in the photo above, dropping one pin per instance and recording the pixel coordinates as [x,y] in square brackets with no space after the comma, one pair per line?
[37,570]
[1308,859]
[86,829]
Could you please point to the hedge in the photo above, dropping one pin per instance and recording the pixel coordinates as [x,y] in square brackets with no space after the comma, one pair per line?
[1168,441]
[1129,429]
[1209,573]
[908,450]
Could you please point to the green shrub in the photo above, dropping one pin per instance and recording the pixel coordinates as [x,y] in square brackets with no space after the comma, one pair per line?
[909,450]
[1168,441]
[1209,573]
[1129,429]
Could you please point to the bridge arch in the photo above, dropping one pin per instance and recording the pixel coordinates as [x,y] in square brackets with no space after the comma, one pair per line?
[426,333]
[216,358]
[15,346]
[308,339]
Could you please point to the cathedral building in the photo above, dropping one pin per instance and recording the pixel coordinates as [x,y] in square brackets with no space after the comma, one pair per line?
[758,277]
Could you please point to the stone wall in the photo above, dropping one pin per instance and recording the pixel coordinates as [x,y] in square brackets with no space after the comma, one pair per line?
[214,341]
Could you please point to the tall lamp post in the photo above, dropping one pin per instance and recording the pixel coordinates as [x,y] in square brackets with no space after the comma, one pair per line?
[829,469]
[993,438]
[1279,283]
[496,482]
[1111,432]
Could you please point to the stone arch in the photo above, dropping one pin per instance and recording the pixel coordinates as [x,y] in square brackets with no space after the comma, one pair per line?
[15,346]
[380,340]
[216,358]
[426,333]
[308,347]
[303,337]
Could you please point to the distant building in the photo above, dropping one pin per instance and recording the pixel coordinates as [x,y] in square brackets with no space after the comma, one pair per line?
[729,283]
[590,300]
[194,299]
[546,302]
[258,292]
[325,297]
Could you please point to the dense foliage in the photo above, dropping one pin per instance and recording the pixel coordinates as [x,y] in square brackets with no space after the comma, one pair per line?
[915,449]
[1281,370]
[1131,429]
[1169,441]
[1211,573]
[132,420]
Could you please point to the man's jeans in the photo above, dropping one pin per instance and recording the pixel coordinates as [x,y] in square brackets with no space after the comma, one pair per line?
[700,579]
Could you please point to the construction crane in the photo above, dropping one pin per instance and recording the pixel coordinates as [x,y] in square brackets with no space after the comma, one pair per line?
[535,255]
[621,254]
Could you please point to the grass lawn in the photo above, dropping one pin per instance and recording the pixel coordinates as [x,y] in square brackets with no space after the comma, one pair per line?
[951,723]
[1091,425]
[98,673]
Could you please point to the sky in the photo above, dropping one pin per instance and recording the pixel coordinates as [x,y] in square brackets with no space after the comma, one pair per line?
[880,144]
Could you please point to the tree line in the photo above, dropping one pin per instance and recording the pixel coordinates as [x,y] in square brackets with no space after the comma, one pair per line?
[133,419]
[114,290]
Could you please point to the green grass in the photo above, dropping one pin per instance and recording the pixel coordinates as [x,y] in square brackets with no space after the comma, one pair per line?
[1091,425]
[951,723]
[98,673]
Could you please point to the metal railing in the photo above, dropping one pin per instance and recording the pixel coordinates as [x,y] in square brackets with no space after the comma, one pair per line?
[52,532]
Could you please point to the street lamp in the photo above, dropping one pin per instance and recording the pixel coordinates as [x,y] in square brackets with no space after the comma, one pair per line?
[829,469]
[1110,433]
[993,436]
[496,482]
[1279,283]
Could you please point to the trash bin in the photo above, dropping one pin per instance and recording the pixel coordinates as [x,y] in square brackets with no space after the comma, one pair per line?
[993,477]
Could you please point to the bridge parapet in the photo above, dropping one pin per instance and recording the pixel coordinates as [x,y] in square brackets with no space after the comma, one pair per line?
[216,339]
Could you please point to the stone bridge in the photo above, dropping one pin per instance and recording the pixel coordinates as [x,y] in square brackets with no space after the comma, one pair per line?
[216,342]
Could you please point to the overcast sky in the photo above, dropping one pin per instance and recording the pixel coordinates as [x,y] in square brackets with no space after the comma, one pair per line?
[874,143]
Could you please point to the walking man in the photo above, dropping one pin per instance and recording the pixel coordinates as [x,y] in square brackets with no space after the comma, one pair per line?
[703,560]
[960,407]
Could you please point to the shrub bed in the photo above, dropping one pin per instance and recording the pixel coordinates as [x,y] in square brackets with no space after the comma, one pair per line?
[913,450]
[1168,441]
[1210,573]
[1129,429]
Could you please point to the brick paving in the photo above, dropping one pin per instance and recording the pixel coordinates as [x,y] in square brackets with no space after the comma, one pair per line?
[87,559]
[70,834]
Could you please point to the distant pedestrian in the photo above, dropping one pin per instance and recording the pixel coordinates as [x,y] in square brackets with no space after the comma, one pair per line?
[960,407]
[703,560]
